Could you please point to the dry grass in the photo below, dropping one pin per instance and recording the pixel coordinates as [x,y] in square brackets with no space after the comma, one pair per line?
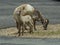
[53,31]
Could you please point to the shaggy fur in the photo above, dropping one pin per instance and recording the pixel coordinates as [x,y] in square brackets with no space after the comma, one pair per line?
[23,22]
[27,9]
[26,20]
[43,20]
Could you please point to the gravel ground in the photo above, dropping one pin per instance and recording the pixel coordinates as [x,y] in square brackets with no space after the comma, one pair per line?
[53,31]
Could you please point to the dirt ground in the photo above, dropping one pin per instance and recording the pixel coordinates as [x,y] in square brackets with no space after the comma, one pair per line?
[53,31]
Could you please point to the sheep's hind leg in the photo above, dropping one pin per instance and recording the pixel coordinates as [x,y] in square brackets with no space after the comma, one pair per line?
[17,25]
[19,30]
[23,29]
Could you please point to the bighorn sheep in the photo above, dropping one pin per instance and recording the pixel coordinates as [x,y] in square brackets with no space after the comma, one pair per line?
[27,9]
[26,20]
[22,21]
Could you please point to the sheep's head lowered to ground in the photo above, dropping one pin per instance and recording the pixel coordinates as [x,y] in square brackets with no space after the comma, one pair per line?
[45,24]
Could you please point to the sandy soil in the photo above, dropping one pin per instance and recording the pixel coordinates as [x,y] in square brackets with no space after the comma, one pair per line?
[53,31]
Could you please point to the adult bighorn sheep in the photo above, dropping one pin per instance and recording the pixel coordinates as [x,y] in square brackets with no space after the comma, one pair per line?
[27,9]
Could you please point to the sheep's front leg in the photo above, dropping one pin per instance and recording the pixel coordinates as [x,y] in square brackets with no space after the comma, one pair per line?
[34,25]
[31,27]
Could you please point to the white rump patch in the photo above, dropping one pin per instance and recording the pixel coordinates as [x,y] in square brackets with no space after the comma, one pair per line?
[29,8]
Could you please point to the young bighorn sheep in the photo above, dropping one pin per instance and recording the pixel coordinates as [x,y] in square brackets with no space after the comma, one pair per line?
[26,20]
[22,21]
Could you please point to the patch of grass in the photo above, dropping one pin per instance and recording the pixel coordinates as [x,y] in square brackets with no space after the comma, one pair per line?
[47,33]
[52,31]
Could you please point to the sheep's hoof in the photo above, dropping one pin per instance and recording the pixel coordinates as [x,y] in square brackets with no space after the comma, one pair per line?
[31,32]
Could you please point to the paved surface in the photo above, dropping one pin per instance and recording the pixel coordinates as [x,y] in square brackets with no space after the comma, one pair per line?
[28,41]
[50,9]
